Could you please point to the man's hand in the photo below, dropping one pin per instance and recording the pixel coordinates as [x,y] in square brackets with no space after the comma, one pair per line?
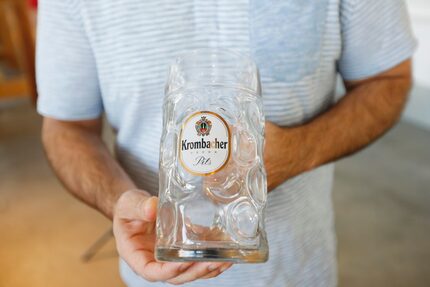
[134,230]
[85,166]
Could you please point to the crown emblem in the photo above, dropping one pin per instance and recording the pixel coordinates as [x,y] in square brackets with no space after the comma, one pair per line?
[203,126]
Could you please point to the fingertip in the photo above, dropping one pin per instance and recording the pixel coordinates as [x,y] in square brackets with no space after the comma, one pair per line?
[153,202]
[225,267]
[214,266]
[150,208]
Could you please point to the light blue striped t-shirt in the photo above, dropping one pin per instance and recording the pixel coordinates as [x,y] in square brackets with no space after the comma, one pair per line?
[96,56]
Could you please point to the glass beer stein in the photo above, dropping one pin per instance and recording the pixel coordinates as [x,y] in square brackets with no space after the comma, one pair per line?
[212,178]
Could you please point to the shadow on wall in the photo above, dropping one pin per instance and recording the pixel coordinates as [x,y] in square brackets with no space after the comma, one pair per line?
[418,108]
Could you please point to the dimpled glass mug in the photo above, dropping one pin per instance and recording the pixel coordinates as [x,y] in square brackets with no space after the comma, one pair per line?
[212,179]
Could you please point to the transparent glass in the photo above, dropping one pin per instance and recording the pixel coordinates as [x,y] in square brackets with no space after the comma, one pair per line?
[212,179]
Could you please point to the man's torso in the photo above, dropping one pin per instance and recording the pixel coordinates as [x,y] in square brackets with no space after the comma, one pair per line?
[296,45]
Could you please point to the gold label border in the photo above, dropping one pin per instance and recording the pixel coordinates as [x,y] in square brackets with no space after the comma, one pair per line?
[180,140]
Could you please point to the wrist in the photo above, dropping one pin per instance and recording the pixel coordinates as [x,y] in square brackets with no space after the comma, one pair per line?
[308,153]
[301,149]
[286,153]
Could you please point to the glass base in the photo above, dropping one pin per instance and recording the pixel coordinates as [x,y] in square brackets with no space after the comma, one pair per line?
[212,254]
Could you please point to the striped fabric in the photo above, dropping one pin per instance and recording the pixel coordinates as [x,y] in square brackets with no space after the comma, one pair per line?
[112,56]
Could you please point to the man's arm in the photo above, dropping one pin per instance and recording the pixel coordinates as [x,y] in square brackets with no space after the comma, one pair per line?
[86,168]
[368,110]
[83,163]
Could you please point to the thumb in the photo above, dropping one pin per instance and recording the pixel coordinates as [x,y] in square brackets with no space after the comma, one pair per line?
[136,205]
[149,207]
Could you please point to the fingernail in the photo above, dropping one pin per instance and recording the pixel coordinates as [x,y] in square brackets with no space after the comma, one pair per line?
[213,267]
[147,206]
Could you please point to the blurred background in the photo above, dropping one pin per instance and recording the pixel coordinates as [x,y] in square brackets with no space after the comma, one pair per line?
[47,238]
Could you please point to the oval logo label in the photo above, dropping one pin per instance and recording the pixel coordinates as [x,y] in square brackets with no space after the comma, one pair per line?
[204,143]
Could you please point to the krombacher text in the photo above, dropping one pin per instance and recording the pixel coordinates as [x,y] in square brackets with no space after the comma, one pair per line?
[202,144]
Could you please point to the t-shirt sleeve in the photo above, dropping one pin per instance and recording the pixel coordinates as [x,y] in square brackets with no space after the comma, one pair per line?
[67,79]
[376,36]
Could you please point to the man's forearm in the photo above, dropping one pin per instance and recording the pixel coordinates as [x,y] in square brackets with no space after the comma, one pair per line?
[368,110]
[83,163]
[362,116]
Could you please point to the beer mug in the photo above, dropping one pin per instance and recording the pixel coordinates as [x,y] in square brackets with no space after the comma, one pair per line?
[212,181]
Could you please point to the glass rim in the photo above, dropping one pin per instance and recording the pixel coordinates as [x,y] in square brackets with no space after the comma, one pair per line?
[207,59]
[211,51]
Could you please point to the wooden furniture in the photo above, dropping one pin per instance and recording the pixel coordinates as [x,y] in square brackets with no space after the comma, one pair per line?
[17,48]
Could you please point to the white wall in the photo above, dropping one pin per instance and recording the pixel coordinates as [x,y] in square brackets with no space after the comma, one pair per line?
[418,108]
